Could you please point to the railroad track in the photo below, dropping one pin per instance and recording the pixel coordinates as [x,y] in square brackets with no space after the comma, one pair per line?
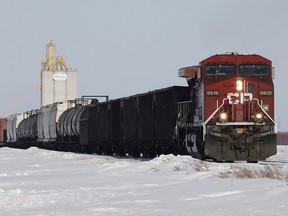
[273,161]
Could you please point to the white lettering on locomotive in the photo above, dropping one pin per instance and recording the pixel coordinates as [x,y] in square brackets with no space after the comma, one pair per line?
[239,98]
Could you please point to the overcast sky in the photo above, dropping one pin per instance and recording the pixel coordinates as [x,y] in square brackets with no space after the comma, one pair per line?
[124,47]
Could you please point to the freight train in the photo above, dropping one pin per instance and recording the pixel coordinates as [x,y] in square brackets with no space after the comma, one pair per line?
[225,113]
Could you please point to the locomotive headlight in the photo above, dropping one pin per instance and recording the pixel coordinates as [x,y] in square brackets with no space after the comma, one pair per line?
[239,85]
[259,116]
[223,116]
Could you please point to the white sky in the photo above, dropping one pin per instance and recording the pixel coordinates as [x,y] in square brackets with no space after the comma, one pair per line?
[126,47]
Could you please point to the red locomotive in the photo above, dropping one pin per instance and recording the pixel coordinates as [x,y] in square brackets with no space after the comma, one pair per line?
[231,112]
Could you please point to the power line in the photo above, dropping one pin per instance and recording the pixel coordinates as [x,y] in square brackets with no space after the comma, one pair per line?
[12,107]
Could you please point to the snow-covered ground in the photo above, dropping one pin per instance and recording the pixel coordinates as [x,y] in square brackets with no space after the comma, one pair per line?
[40,182]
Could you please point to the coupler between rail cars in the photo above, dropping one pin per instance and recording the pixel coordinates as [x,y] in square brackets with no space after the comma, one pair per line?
[254,149]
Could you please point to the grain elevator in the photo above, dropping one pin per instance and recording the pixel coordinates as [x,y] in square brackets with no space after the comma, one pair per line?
[58,80]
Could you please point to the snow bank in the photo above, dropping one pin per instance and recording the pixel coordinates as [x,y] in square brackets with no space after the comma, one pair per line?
[40,182]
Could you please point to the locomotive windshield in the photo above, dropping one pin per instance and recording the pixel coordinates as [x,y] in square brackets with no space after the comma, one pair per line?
[220,70]
[254,70]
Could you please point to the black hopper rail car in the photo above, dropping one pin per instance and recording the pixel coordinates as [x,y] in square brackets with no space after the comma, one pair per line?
[141,125]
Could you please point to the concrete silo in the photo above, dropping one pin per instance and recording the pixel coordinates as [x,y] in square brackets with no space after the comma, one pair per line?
[58,80]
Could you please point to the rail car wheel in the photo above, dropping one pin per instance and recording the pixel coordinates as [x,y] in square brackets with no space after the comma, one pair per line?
[68,148]
[136,150]
[176,148]
[168,147]
[153,150]
[77,148]
[107,149]
[160,149]
[98,149]
[152,154]
[121,153]
[61,147]
[252,161]
[85,149]
[53,146]
[148,149]
[38,144]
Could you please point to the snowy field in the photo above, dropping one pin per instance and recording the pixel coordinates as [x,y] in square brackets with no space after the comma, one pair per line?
[40,182]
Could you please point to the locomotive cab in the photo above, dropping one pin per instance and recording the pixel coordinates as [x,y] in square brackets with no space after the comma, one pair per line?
[231,108]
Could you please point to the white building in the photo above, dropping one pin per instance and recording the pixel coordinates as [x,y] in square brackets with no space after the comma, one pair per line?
[58,80]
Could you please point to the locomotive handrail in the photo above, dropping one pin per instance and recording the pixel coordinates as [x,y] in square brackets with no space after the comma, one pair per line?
[183,102]
[204,124]
[240,123]
[275,126]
